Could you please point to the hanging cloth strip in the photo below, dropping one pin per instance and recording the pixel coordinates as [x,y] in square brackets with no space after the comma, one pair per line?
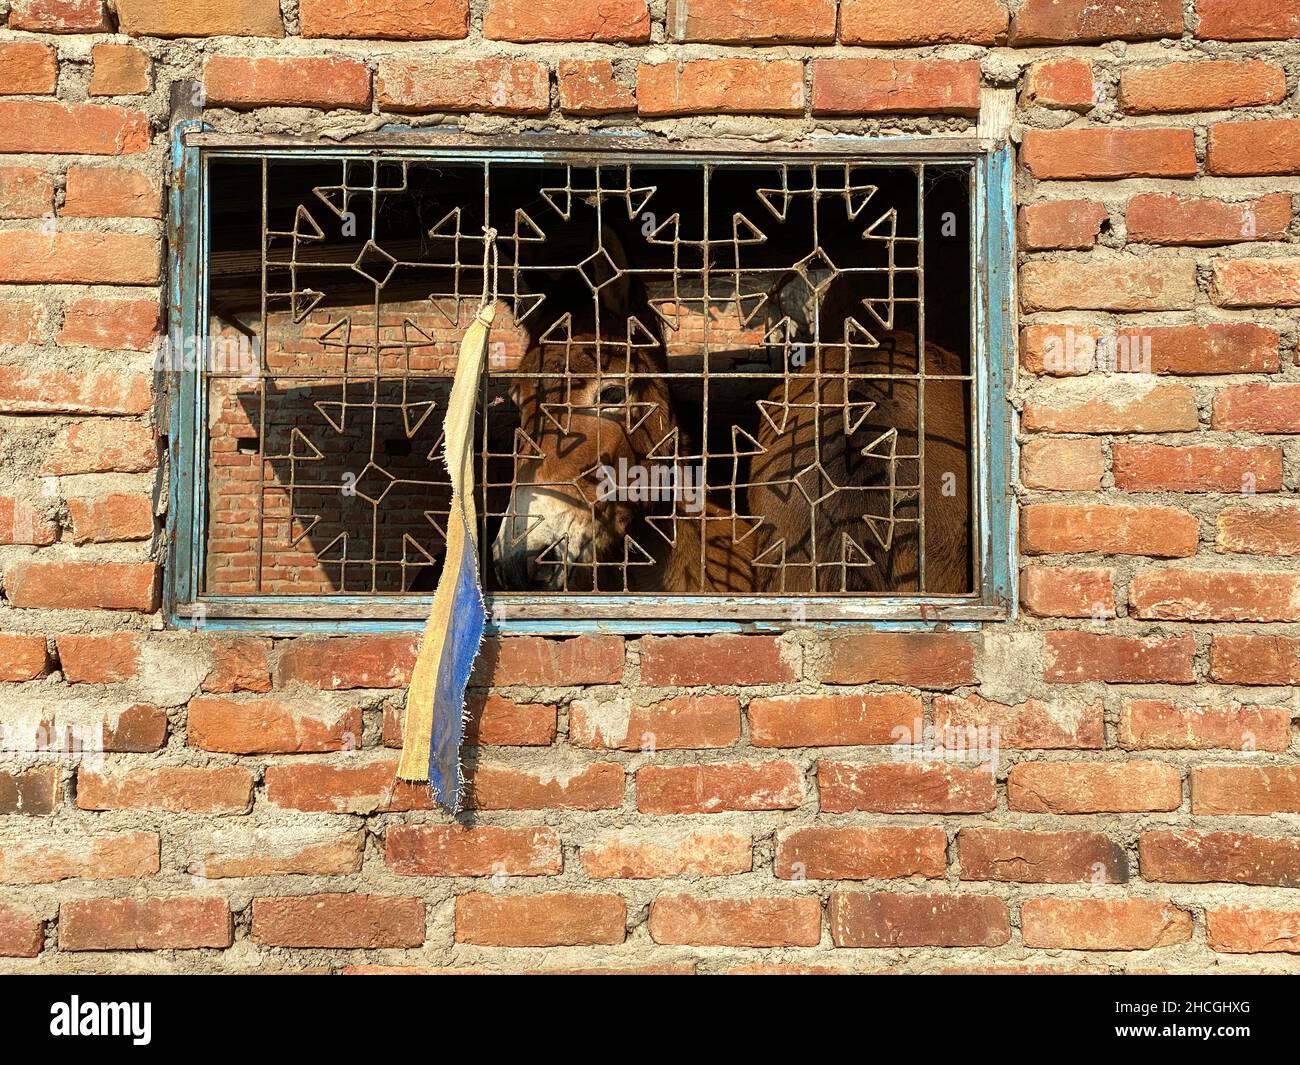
[435,703]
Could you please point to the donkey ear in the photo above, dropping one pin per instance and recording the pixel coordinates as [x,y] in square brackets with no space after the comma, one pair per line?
[612,276]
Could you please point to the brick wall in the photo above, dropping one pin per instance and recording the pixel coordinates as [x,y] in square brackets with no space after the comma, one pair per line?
[722,803]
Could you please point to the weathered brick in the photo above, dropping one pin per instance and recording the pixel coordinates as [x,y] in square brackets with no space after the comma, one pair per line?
[689,722]
[403,20]
[200,18]
[753,21]
[718,659]
[1062,465]
[1068,529]
[20,322]
[1083,22]
[1119,285]
[83,585]
[880,919]
[348,662]
[270,726]
[182,922]
[24,391]
[101,445]
[1246,789]
[851,853]
[23,656]
[1079,657]
[233,81]
[1094,787]
[495,720]
[1210,595]
[1240,930]
[721,86]
[591,88]
[918,660]
[22,932]
[1103,924]
[370,787]
[623,855]
[1019,857]
[31,792]
[551,920]
[1061,224]
[915,22]
[59,16]
[239,664]
[27,68]
[136,729]
[111,192]
[1211,85]
[23,521]
[356,921]
[1186,857]
[25,192]
[749,922]
[895,86]
[113,518]
[1259,530]
[1197,468]
[1256,283]
[1258,408]
[1255,659]
[1068,591]
[276,852]
[598,786]
[1154,724]
[74,129]
[718,787]
[1159,218]
[1065,84]
[1035,723]
[1256,20]
[98,658]
[503,86]
[485,850]
[30,257]
[177,789]
[119,70]
[831,720]
[626,21]
[905,787]
[1104,153]
[1215,348]
[540,662]
[51,859]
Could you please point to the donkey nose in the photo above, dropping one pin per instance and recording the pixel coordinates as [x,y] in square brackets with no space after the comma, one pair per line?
[513,566]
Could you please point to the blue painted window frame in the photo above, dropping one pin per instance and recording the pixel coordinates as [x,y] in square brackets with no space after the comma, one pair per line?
[994,365]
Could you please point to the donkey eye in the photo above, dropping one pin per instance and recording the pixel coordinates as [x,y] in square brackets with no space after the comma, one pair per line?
[612,395]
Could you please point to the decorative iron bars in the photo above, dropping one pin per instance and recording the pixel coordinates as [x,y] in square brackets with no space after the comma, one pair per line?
[728,378]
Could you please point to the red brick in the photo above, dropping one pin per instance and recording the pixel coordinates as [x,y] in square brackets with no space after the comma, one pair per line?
[719,787]
[831,720]
[1256,283]
[348,662]
[1080,657]
[1018,857]
[84,585]
[1083,22]
[239,664]
[905,788]
[25,192]
[918,660]
[101,445]
[59,16]
[278,852]
[1213,85]
[57,392]
[627,857]
[403,20]
[1068,592]
[1251,659]
[75,129]
[880,919]
[1158,724]
[915,22]
[114,518]
[1262,146]
[1112,285]
[895,87]
[27,68]
[1158,218]
[1062,465]
[1061,224]
[557,20]
[495,720]
[270,726]
[541,663]
[1238,930]
[1185,857]
[200,18]
[1103,528]
[1064,84]
[753,21]
[1247,20]
[1215,348]
[688,722]
[1258,408]
[20,322]
[233,81]
[119,70]
[851,853]
[722,87]
[22,933]
[101,658]
[720,659]
[181,922]
[22,656]
[1032,724]
[1259,530]
[1246,789]
[1105,153]
[367,788]
[553,920]
[355,921]
[1103,924]
[101,857]
[1205,595]
[598,786]
[111,192]
[591,88]
[751,922]
[25,522]
[1094,787]
[31,792]
[178,789]
[502,86]
[1197,468]
[30,257]
[485,850]
[110,325]
[136,729]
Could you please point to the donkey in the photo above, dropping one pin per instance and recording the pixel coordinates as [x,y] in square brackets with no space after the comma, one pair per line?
[593,404]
